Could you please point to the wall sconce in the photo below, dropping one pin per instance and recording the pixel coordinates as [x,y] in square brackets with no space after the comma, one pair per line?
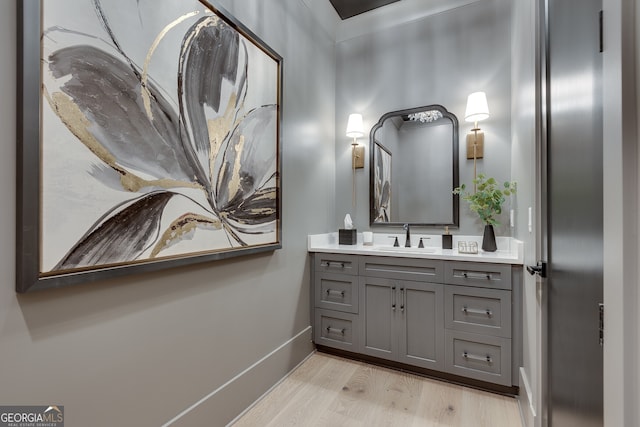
[477,110]
[355,129]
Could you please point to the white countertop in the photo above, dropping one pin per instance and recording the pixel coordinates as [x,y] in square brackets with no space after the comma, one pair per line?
[510,250]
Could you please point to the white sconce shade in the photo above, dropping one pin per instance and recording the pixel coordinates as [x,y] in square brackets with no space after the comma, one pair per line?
[477,107]
[355,128]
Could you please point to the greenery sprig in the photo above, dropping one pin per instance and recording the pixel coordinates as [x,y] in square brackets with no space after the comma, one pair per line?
[488,198]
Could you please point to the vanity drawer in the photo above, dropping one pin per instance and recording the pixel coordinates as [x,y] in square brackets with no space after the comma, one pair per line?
[478,310]
[336,329]
[336,263]
[478,274]
[423,270]
[484,358]
[336,292]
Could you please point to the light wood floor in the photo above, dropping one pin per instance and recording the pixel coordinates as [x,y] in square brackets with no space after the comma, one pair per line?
[330,391]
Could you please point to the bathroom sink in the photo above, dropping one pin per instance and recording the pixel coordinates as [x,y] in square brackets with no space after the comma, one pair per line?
[402,249]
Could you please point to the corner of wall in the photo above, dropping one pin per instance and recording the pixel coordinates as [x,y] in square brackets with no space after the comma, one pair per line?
[326,15]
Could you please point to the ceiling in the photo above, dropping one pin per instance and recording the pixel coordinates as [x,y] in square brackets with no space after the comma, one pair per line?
[369,16]
[349,8]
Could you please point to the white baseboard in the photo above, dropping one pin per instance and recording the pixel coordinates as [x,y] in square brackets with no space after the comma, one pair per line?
[224,404]
[527,404]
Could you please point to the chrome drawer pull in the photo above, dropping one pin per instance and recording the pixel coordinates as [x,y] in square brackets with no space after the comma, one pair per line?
[333,264]
[466,310]
[486,358]
[477,276]
[335,330]
[333,291]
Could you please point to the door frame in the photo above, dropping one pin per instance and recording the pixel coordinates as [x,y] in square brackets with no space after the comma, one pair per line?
[541,204]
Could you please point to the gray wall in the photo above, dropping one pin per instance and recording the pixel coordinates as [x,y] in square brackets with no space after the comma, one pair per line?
[439,59]
[140,350]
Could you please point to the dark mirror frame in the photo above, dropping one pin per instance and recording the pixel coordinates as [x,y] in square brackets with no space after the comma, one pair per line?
[455,167]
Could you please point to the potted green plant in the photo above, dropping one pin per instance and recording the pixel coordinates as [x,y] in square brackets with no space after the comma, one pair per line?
[487,202]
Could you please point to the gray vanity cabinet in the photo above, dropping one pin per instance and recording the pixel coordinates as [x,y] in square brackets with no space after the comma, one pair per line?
[401,320]
[401,314]
[451,317]
[401,310]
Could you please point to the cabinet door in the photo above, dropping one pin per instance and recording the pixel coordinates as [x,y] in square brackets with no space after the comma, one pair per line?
[378,310]
[421,324]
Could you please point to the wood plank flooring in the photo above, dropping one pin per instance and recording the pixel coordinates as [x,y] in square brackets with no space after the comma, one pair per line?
[331,391]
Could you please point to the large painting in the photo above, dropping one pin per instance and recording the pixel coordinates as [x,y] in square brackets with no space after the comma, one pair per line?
[148,138]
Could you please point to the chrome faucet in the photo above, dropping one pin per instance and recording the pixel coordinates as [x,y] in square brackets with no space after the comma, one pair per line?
[407,243]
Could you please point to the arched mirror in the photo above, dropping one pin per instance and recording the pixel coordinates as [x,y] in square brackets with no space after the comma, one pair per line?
[414,168]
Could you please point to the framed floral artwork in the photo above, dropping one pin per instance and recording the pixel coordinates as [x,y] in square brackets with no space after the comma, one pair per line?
[148,138]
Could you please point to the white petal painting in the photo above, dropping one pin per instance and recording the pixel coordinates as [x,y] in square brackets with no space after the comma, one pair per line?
[159,139]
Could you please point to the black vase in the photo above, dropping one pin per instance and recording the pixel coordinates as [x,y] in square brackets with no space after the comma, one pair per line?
[489,239]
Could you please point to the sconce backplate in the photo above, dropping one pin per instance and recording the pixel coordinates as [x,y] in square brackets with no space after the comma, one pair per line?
[358,152]
[479,147]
